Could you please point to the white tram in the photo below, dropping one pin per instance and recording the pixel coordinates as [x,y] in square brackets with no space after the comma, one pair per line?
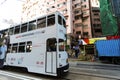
[38,45]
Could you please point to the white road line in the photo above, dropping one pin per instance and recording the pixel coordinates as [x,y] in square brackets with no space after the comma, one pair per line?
[18,76]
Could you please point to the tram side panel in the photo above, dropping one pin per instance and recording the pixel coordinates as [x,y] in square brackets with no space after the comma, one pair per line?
[35,60]
[62,56]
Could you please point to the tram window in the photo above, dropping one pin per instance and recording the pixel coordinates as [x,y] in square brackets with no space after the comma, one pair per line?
[14,48]
[51,20]
[21,47]
[5,31]
[51,44]
[29,46]
[24,28]
[61,45]
[64,23]
[41,23]
[32,25]
[60,20]
[11,31]
[9,48]
[17,29]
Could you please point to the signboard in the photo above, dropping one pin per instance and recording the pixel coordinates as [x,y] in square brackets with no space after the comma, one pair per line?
[92,40]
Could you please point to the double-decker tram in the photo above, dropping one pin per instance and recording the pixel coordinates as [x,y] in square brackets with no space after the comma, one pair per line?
[37,45]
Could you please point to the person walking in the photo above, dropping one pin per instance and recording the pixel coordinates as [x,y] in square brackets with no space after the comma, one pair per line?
[3,50]
[76,48]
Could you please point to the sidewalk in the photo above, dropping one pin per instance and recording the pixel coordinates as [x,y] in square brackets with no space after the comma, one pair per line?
[76,67]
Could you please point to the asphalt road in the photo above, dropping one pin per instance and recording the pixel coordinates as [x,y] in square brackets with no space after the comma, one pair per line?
[77,71]
[95,69]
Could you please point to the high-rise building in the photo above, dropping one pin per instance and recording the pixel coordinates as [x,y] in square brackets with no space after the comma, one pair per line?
[32,9]
[95,18]
[77,13]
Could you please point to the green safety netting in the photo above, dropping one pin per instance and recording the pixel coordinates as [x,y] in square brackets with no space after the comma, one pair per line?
[108,20]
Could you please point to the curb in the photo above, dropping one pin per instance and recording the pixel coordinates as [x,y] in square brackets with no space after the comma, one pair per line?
[75,70]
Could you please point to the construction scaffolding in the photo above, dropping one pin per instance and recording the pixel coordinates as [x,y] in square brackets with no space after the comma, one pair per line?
[108,19]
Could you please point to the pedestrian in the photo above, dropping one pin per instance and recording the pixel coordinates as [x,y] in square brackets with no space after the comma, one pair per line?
[3,50]
[76,48]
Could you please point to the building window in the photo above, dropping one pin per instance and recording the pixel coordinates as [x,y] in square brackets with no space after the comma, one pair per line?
[84,6]
[78,25]
[77,17]
[96,25]
[98,30]
[78,32]
[47,2]
[84,0]
[77,11]
[96,14]
[85,12]
[85,33]
[64,3]
[59,5]
[77,5]
[53,6]
[96,19]
[85,26]
[48,10]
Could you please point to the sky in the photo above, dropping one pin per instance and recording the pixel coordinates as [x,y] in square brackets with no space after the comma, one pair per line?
[10,10]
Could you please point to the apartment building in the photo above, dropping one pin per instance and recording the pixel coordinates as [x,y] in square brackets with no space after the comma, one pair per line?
[95,18]
[77,14]
[32,9]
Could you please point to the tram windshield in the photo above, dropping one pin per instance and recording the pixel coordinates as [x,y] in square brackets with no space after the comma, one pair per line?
[61,21]
[61,45]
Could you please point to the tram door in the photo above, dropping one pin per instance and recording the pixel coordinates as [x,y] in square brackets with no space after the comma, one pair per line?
[51,56]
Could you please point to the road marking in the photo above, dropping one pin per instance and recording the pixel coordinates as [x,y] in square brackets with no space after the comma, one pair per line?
[19,76]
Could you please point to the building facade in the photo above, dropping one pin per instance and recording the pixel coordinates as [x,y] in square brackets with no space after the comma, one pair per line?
[95,18]
[77,13]
[108,19]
